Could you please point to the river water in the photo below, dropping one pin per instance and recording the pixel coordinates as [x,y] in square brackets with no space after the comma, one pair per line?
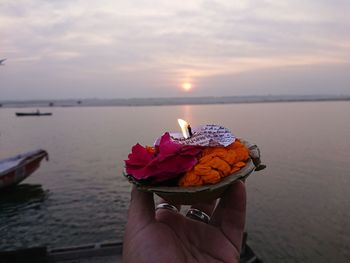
[298,208]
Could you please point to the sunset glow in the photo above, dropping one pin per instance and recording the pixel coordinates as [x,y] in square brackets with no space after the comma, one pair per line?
[187,86]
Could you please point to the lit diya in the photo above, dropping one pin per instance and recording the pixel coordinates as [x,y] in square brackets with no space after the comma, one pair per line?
[195,166]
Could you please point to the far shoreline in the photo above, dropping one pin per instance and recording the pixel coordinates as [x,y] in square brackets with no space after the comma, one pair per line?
[177,101]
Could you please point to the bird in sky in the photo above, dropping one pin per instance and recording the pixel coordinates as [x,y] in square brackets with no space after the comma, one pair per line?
[2,61]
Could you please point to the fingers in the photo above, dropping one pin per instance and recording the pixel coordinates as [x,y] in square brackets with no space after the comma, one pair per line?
[229,215]
[141,209]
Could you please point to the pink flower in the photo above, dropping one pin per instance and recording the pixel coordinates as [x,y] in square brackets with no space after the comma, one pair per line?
[170,160]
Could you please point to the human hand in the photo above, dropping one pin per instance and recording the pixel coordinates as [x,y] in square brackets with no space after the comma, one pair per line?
[168,236]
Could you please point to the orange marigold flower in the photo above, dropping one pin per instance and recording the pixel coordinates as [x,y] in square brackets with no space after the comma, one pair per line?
[214,163]
[240,164]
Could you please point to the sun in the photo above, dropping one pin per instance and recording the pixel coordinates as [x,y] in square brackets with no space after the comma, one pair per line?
[186,86]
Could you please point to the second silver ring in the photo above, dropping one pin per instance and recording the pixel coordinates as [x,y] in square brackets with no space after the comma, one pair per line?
[198,215]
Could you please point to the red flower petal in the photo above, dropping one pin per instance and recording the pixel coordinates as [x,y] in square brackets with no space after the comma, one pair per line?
[172,159]
[139,155]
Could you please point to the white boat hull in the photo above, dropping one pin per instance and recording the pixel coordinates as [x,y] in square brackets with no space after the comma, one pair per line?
[15,169]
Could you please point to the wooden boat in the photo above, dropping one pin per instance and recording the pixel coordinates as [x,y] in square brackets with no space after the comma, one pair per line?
[15,169]
[91,253]
[37,113]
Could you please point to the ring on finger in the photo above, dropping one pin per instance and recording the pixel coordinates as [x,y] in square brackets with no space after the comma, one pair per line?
[167,206]
[198,215]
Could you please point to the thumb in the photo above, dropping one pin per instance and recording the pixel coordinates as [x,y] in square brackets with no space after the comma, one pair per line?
[141,208]
[229,215]
[141,213]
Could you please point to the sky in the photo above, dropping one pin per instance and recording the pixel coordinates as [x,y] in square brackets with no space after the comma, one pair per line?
[58,49]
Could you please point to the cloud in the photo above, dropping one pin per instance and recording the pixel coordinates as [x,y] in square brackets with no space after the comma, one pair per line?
[171,41]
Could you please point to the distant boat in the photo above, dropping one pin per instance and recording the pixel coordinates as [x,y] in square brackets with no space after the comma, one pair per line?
[36,113]
[15,169]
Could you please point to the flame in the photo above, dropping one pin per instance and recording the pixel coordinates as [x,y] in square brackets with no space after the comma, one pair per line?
[184,127]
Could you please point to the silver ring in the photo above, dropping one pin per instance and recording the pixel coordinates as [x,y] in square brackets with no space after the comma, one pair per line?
[199,215]
[167,206]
